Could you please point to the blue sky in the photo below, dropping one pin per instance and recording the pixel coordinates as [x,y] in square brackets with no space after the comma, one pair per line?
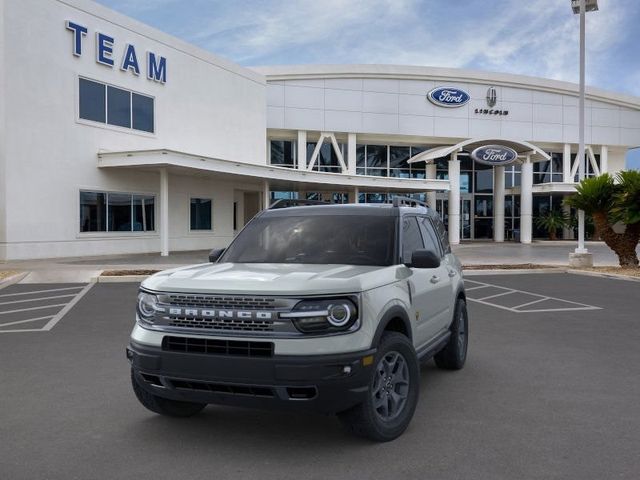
[530,37]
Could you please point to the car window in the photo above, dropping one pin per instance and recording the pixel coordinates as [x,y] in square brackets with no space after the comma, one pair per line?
[442,233]
[411,238]
[429,235]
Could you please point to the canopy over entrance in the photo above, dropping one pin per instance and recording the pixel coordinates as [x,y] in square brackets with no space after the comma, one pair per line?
[522,148]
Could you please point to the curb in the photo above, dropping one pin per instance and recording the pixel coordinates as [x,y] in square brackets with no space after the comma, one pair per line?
[5,282]
[120,279]
[613,276]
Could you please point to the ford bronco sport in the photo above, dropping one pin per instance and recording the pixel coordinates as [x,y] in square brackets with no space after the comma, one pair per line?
[328,308]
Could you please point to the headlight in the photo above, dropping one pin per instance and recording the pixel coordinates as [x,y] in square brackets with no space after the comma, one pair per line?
[324,315]
[147,305]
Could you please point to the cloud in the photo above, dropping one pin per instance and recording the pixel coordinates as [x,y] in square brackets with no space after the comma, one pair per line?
[533,37]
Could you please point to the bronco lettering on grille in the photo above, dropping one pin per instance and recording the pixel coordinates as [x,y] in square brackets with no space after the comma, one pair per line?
[209,313]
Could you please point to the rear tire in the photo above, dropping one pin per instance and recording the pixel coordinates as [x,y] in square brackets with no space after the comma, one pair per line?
[454,354]
[164,406]
[392,395]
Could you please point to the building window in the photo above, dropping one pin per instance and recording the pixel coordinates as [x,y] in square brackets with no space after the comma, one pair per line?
[327,160]
[116,212]
[549,170]
[115,106]
[283,153]
[201,213]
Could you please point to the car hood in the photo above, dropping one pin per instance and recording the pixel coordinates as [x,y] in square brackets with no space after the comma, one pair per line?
[271,278]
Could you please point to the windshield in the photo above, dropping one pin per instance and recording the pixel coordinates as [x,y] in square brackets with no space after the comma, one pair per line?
[337,239]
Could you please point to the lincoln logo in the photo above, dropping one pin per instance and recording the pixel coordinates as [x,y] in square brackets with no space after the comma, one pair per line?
[492,97]
[448,97]
[232,314]
[494,155]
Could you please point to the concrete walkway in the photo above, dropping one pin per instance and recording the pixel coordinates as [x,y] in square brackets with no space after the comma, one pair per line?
[83,269]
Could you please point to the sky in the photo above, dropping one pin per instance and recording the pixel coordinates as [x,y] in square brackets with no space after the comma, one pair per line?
[531,37]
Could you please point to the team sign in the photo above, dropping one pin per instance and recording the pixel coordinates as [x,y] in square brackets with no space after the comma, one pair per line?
[156,65]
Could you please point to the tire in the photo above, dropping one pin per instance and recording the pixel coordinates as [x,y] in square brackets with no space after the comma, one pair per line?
[164,406]
[396,371]
[454,354]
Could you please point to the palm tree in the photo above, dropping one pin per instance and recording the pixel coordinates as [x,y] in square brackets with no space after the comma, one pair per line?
[551,221]
[609,202]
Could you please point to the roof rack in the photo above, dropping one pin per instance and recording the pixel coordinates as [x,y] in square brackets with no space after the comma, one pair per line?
[399,201]
[294,202]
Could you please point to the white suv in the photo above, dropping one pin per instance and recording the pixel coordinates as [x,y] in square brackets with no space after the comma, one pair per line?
[327,308]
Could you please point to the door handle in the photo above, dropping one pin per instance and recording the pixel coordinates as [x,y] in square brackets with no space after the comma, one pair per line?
[452,273]
[435,279]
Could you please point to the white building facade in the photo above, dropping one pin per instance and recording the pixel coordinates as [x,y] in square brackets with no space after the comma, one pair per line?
[117,138]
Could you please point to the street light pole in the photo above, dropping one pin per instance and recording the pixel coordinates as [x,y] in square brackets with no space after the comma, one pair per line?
[581,157]
[581,257]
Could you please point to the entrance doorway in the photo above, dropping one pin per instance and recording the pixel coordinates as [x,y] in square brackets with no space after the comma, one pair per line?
[476,215]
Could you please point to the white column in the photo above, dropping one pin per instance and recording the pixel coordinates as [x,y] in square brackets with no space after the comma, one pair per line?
[526,201]
[302,150]
[454,199]
[604,159]
[430,173]
[566,164]
[498,204]
[266,195]
[164,212]
[356,195]
[351,154]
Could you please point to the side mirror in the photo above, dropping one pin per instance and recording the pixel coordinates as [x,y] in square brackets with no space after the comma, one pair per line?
[424,259]
[215,254]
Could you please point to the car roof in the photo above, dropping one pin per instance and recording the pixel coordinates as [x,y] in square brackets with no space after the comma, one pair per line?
[360,209]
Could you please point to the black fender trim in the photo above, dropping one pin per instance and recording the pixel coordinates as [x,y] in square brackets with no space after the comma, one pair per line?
[394,312]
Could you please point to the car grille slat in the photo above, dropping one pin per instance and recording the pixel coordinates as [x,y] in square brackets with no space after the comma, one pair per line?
[216,301]
[231,389]
[218,347]
[222,324]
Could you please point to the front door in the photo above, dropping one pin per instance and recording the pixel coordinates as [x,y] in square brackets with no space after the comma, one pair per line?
[466,216]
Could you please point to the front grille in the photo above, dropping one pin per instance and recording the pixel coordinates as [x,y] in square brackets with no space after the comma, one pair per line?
[218,347]
[251,390]
[223,302]
[222,324]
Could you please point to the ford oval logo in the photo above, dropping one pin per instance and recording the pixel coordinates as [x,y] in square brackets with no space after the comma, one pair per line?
[448,96]
[494,155]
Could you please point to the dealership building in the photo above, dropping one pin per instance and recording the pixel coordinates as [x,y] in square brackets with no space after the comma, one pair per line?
[118,138]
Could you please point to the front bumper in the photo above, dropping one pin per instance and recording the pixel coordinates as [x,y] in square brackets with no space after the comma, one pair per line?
[320,383]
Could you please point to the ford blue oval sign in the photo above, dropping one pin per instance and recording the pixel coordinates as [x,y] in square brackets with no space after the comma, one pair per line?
[494,155]
[448,97]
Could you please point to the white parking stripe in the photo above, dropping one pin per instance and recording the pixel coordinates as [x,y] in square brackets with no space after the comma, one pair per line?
[519,308]
[38,299]
[25,321]
[33,308]
[51,323]
[42,291]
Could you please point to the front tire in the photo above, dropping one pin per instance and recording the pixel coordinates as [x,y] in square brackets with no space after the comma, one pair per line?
[164,406]
[392,395]
[454,354]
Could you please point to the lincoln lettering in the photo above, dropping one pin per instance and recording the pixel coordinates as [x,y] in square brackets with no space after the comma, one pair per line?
[106,49]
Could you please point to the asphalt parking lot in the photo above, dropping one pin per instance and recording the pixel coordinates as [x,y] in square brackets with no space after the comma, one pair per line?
[551,390]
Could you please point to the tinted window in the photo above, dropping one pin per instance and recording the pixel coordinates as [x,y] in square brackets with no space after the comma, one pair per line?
[119,212]
[200,214]
[93,212]
[411,238]
[118,107]
[92,101]
[316,239]
[142,113]
[143,213]
[429,235]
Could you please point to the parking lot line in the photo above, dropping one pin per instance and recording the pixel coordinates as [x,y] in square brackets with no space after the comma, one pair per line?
[41,291]
[26,321]
[571,305]
[51,323]
[39,299]
[32,308]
